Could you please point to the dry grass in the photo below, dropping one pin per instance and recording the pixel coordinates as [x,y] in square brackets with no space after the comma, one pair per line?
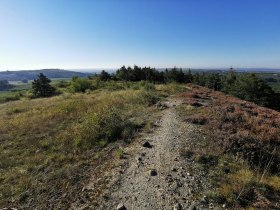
[249,135]
[49,145]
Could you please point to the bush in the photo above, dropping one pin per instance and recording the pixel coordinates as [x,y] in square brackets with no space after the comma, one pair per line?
[10,97]
[196,119]
[63,84]
[80,85]
[149,86]
[106,125]
[149,98]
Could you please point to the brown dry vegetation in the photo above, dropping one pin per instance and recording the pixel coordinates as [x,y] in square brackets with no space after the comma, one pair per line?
[48,146]
[240,149]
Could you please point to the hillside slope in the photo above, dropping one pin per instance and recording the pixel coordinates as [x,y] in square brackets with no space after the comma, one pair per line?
[203,155]
[155,176]
[170,146]
[32,74]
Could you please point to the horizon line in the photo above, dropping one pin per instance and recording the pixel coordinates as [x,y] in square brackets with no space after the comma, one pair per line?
[115,68]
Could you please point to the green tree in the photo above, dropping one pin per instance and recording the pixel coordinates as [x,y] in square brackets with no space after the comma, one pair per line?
[230,82]
[252,88]
[200,79]
[189,77]
[104,76]
[214,81]
[122,74]
[41,86]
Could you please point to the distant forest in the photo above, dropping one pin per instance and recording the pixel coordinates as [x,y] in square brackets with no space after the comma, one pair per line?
[247,86]
[4,85]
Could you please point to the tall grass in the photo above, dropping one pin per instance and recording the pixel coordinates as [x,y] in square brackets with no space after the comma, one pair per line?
[47,145]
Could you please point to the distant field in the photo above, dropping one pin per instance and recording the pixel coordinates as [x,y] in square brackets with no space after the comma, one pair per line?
[273,80]
[21,89]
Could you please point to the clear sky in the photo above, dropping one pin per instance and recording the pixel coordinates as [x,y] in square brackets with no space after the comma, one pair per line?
[71,34]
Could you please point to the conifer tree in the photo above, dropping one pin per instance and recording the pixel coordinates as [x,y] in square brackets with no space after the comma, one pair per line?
[41,86]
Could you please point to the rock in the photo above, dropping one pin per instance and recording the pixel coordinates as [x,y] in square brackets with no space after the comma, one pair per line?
[188,174]
[179,184]
[192,207]
[105,197]
[204,200]
[168,178]
[153,172]
[173,169]
[211,206]
[147,144]
[138,159]
[177,206]
[224,205]
[121,207]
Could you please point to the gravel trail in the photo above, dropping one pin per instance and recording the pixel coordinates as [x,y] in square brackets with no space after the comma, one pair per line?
[157,177]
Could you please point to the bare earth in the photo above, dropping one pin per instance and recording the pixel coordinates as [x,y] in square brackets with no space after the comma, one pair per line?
[177,183]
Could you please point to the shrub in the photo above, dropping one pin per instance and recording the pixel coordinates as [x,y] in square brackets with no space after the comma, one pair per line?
[196,119]
[149,86]
[80,85]
[63,84]
[106,124]
[120,153]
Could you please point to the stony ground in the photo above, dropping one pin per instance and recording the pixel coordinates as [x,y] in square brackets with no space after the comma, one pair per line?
[154,173]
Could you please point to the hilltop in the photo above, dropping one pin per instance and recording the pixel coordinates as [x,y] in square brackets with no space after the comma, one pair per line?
[32,74]
[142,145]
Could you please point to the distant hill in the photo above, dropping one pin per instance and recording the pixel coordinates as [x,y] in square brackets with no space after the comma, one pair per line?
[32,74]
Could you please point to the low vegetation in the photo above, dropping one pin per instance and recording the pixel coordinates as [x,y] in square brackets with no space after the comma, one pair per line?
[247,86]
[240,148]
[48,145]
[258,88]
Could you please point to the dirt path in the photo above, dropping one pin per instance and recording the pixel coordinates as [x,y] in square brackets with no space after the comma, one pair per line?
[176,179]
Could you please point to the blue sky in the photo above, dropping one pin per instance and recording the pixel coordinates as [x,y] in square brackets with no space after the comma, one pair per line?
[71,34]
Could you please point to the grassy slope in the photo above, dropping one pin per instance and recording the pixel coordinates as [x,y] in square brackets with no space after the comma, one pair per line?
[240,149]
[48,145]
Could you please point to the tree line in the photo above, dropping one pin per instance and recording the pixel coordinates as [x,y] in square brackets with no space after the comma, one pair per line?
[147,74]
[247,86]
